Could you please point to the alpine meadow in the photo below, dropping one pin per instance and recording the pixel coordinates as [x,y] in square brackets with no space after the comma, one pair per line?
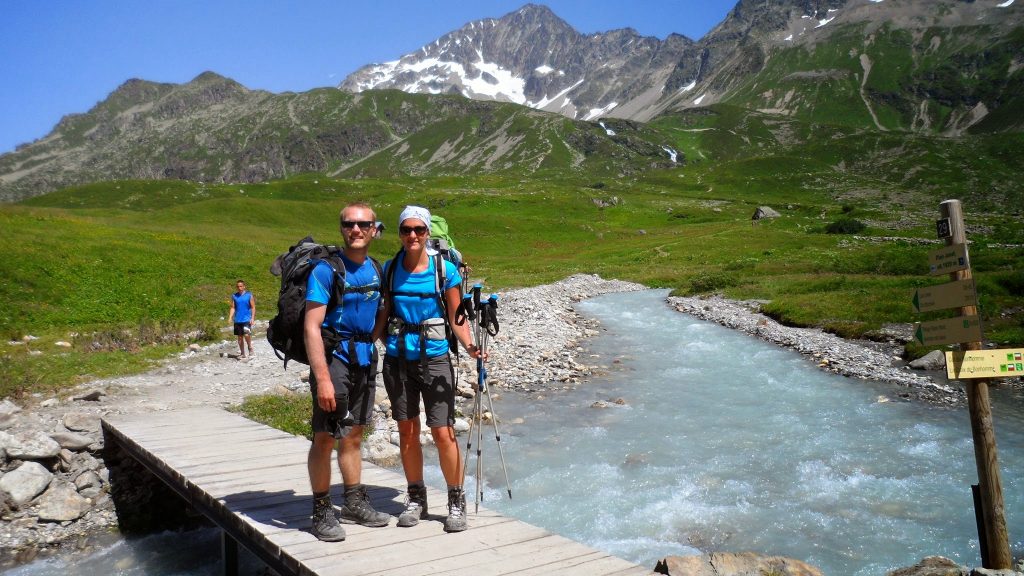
[125,228]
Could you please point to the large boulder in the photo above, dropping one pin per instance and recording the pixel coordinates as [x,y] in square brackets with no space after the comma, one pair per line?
[29,445]
[61,503]
[8,413]
[25,483]
[934,360]
[733,564]
[72,441]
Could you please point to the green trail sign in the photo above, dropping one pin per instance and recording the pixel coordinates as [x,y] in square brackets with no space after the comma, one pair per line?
[948,331]
[951,295]
[947,259]
[1002,363]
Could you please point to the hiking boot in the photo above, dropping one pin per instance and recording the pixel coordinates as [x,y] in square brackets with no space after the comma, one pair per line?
[325,523]
[456,520]
[357,509]
[415,507]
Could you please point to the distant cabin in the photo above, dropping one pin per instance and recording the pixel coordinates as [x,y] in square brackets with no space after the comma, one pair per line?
[764,212]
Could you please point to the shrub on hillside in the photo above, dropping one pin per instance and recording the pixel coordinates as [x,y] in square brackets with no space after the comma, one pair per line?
[709,282]
[845,226]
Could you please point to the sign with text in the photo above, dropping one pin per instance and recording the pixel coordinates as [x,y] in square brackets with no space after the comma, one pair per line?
[947,259]
[985,363]
[948,331]
[951,295]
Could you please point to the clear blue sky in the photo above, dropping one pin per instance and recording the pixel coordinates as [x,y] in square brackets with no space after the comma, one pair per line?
[63,56]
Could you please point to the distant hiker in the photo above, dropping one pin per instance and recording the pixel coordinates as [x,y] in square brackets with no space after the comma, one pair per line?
[243,312]
[419,319]
[341,409]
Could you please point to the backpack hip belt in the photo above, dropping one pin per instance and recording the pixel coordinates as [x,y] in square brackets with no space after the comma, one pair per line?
[352,339]
[429,329]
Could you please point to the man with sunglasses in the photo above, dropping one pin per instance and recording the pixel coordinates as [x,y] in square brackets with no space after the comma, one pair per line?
[344,375]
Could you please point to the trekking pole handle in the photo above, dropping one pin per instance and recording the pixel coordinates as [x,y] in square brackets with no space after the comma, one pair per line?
[476,295]
[465,310]
[491,322]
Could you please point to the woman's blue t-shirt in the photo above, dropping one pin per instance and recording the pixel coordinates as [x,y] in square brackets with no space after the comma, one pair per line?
[416,309]
[358,311]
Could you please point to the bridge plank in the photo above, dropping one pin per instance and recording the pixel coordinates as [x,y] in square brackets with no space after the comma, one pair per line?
[251,480]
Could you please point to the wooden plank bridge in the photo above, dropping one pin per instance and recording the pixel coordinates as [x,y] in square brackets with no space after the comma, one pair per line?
[251,481]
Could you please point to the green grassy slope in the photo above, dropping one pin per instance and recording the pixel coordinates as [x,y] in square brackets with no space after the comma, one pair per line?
[85,265]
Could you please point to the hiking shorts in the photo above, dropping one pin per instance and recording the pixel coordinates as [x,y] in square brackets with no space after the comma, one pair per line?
[438,392]
[359,383]
[242,328]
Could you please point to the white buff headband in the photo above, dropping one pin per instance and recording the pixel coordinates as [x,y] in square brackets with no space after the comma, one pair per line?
[418,212]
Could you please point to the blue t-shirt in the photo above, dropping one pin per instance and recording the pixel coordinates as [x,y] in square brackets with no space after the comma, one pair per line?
[243,307]
[416,309]
[358,311]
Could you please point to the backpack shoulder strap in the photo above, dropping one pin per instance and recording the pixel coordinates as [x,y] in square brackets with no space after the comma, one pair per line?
[333,259]
[388,280]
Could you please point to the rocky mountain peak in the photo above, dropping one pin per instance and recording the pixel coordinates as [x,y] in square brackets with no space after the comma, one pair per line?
[531,57]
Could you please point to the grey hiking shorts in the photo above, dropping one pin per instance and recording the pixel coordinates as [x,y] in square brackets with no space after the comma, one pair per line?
[436,388]
[358,383]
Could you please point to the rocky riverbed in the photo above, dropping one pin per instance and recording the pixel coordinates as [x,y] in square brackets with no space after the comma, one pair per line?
[54,483]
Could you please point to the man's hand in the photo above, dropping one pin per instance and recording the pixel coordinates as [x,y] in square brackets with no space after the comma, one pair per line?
[325,395]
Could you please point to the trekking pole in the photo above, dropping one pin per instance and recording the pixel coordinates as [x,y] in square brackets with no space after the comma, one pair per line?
[481,376]
[489,322]
[466,311]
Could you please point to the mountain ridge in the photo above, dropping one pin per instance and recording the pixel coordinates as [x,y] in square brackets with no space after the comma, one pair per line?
[942,68]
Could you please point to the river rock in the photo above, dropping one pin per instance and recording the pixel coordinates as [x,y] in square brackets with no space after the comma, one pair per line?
[62,502]
[733,564]
[379,450]
[993,572]
[72,441]
[934,360]
[81,422]
[29,445]
[931,566]
[8,412]
[26,482]
[89,484]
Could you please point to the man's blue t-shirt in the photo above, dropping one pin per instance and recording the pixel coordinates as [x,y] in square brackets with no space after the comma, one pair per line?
[358,312]
[243,307]
[416,309]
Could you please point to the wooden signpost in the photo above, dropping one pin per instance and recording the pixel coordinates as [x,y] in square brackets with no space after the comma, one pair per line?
[952,295]
[973,364]
[1000,363]
[948,331]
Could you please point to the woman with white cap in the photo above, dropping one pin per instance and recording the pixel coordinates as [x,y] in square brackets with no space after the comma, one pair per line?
[419,317]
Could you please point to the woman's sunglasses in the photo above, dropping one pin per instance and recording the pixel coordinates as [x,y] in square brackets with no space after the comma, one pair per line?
[406,230]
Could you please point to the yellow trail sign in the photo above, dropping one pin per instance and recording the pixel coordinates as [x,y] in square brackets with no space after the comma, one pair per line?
[948,259]
[951,295]
[948,331]
[1000,363]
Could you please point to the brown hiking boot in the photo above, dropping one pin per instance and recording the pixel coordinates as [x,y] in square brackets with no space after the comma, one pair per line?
[357,509]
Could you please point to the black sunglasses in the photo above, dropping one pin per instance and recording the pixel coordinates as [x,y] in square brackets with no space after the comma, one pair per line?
[406,230]
[364,224]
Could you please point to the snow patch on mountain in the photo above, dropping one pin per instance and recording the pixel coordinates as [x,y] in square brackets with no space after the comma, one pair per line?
[598,112]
